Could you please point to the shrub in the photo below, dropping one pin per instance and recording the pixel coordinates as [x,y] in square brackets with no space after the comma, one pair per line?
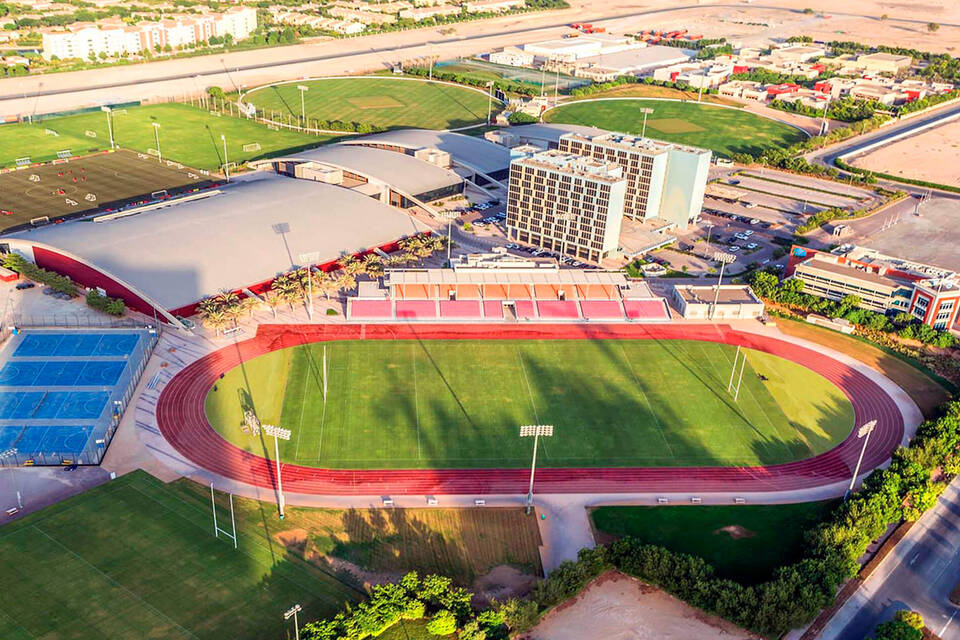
[21,265]
[443,623]
[332,312]
[106,304]
[519,117]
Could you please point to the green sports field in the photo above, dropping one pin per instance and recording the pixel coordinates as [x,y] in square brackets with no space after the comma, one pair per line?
[383,102]
[746,543]
[447,404]
[188,135]
[725,131]
[137,559]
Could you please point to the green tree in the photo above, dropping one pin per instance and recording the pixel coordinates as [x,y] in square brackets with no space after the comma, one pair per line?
[443,623]
[933,27]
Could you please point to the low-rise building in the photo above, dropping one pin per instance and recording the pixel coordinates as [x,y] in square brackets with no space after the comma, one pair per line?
[883,283]
[424,13]
[884,62]
[512,56]
[571,49]
[723,302]
[492,6]
[366,17]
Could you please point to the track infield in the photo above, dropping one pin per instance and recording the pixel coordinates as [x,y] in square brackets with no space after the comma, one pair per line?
[457,403]
[181,419]
[389,103]
[725,131]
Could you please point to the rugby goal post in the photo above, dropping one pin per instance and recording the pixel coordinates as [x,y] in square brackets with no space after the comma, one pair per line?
[251,147]
[217,530]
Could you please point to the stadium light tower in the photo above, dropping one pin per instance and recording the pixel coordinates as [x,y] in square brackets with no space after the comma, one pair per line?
[309,259]
[645,112]
[724,259]
[864,433]
[156,135]
[303,105]
[278,433]
[292,613]
[226,161]
[535,430]
[107,111]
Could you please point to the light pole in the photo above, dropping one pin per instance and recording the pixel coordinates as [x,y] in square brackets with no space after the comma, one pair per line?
[864,433]
[292,613]
[303,105]
[226,161]
[724,259]
[309,259]
[826,108]
[645,111]
[535,430]
[278,433]
[709,231]
[489,100]
[156,135]
[107,111]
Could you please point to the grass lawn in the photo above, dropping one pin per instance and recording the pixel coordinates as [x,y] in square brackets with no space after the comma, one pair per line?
[924,390]
[725,131]
[641,90]
[384,102]
[188,135]
[743,542]
[136,559]
[447,404]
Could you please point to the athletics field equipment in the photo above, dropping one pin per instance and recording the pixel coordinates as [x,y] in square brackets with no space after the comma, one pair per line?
[725,130]
[384,102]
[182,420]
[90,184]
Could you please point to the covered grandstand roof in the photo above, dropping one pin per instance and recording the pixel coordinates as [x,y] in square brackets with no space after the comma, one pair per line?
[504,276]
[242,234]
[477,153]
[402,172]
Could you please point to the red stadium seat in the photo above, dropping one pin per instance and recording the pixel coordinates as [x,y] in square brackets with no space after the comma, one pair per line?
[416,309]
[602,309]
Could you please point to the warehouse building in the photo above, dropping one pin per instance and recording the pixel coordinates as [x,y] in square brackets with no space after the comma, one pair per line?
[163,259]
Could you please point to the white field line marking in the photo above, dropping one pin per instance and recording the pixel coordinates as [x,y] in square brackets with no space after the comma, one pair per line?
[416,397]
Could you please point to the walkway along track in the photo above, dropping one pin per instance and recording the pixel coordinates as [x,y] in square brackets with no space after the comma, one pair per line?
[183,423]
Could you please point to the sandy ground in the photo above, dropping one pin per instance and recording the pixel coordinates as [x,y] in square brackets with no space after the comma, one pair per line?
[936,163]
[745,23]
[617,607]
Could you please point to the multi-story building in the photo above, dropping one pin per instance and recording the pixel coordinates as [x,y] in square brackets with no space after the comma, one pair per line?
[884,284]
[664,180]
[566,203]
[114,38]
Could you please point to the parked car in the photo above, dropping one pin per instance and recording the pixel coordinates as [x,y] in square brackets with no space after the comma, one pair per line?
[752,245]
[26,285]
[750,205]
[733,248]
[748,232]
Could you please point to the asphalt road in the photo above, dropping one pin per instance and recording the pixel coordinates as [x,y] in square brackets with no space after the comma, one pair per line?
[918,575]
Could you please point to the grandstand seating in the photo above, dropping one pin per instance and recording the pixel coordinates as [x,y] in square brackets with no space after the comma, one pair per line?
[416,309]
[558,309]
[459,309]
[493,309]
[647,309]
[602,309]
[526,310]
[371,309]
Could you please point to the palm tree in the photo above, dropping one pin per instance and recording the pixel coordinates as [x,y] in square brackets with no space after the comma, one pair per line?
[213,318]
[273,300]
[287,288]
[373,265]
[328,285]
[346,281]
[250,304]
[349,264]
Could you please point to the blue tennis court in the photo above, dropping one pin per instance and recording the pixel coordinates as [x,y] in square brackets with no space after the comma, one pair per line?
[62,392]
[65,373]
[76,345]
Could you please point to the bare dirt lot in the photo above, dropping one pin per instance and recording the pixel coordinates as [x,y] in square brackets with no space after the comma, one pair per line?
[930,155]
[617,607]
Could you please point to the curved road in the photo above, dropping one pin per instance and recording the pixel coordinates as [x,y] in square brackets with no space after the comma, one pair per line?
[182,422]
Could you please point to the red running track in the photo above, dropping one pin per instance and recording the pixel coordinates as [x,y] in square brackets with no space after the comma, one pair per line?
[181,419]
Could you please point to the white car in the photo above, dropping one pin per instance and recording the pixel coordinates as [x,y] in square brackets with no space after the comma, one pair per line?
[748,232]
[741,236]
[752,245]
[733,248]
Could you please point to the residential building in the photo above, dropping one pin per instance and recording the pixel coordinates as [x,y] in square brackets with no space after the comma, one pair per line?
[664,180]
[884,63]
[883,283]
[345,27]
[423,13]
[494,6]
[745,89]
[797,53]
[566,203]
[366,17]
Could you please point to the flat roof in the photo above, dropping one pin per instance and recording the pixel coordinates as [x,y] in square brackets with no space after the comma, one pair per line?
[638,59]
[817,264]
[635,143]
[572,164]
[403,172]
[704,294]
[551,132]
[470,151]
[481,275]
[185,252]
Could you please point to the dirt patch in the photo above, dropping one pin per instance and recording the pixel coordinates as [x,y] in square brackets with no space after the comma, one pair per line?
[930,155]
[735,531]
[297,542]
[501,583]
[618,607]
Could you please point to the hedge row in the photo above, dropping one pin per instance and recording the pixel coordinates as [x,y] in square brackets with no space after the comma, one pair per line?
[55,281]
[106,304]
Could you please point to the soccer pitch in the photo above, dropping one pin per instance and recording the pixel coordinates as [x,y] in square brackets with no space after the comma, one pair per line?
[384,102]
[188,135]
[458,403]
[137,559]
[725,131]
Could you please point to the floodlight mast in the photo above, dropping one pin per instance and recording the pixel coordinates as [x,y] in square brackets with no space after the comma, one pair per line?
[535,430]
[864,434]
[278,433]
[310,259]
[303,107]
[292,613]
[724,259]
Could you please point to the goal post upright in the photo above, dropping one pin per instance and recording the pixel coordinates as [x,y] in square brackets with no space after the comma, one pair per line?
[733,369]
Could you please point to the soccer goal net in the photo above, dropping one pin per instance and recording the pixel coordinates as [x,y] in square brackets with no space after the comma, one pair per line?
[251,147]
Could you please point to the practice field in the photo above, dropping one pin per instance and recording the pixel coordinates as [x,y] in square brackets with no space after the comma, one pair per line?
[746,543]
[725,131]
[86,185]
[188,135]
[137,559]
[450,404]
[383,102]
